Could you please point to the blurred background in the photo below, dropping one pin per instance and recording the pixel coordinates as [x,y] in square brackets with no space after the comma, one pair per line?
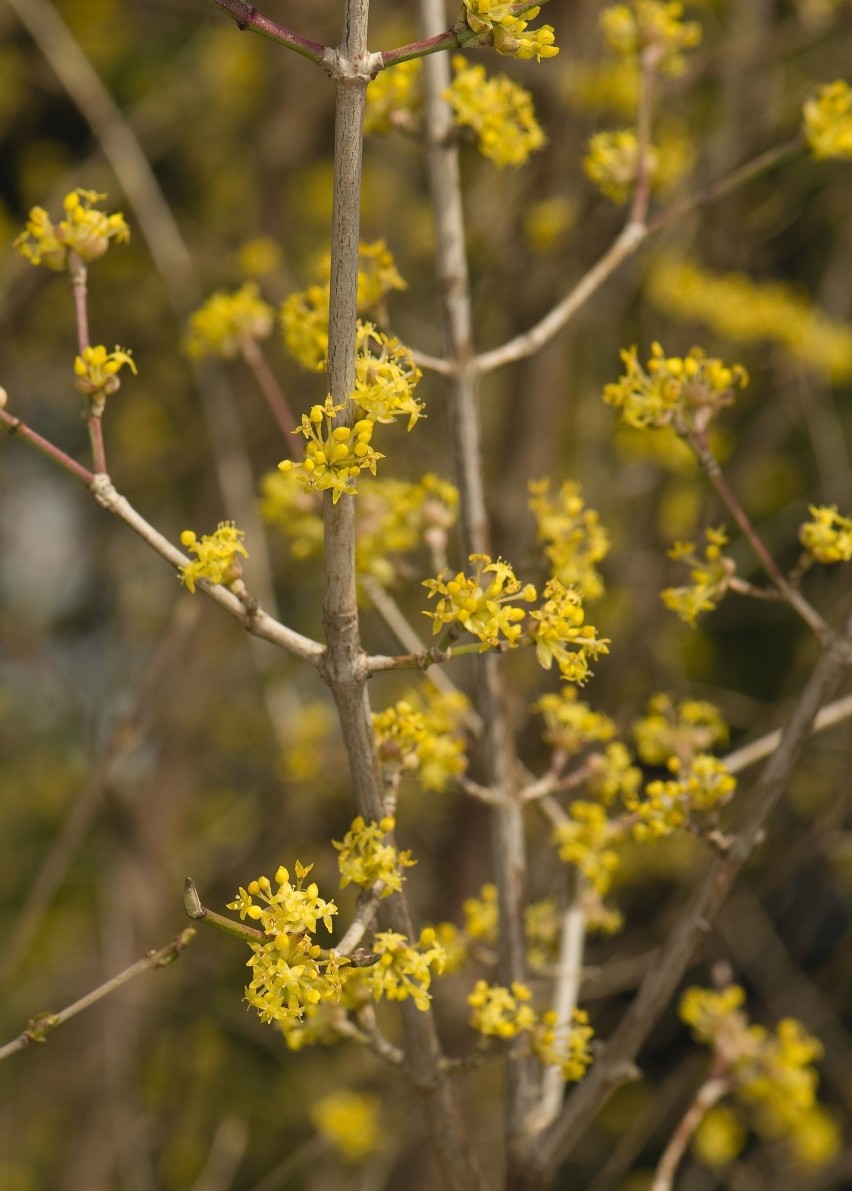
[144,736]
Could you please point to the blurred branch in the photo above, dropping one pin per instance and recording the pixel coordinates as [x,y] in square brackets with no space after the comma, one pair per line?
[42,1024]
[764,746]
[707,1095]
[247,17]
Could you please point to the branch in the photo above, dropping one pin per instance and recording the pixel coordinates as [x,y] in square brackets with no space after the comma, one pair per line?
[707,1095]
[247,17]
[765,746]
[43,1023]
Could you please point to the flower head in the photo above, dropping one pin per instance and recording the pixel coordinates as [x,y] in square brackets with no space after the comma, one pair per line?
[367,855]
[827,537]
[498,110]
[96,372]
[561,634]
[334,455]
[85,231]
[227,322]
[828,121]
[217,558]
[684,392]
[508,32]
[480,603]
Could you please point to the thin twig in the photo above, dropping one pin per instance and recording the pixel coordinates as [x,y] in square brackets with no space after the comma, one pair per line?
[765,746]
[268,384]
[711,1091]
[43,1023]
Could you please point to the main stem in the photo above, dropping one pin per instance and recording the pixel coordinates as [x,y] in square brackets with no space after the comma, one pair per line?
[344,668]
[498,754]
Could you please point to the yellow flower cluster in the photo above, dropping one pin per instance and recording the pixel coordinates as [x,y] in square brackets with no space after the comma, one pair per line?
[334,455]
[217,555]
[682,392]
[394,98]
[377,273]
[827,537]
[85,232]
[614,775]
[394,517]
[612,162]
[575,541]
[96,372]
[482,915]
[404,971]
[350,1122]
[770,1073]
[678,730]
[570,724]
[423,733]
[227,322]
[509,32]
[701,785]
[632,28]
[481,604]
[561,635]
[743,310]
[500,1012]
[828,121]
[498,110]
[366,856]
[288,972]
[586,840]
[385,377]
[710,577]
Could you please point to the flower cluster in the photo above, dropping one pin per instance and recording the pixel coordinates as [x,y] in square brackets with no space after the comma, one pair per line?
[561,635]
[683,392]
[295,509]
[612,162]
[570,724]
[85,231]
[506,1013]
[385,377]
[377,273]
[217,558]
[678,730]
[710,577]
[482,915]
[403,970]
[585,840]
[479,603]
[770,1073]
[423,733]
[739,308]
[350,1122]
[828,121]
[227,322]
[394,99]
[699,786]
[289,971]
[827,537]
[645,24]
[508,32]
[613,774]
[96,373]
[366,856]
[575,541]
[334,455]
[498,110]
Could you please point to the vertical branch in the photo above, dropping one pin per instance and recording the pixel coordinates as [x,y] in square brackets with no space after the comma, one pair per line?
[79,287]
[344,668]
[498,752]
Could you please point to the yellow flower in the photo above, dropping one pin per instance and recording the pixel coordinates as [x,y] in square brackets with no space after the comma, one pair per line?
[683,392]
[350,1121]
[828,536]
[501,1012]
[575,539]
[508,32]
[227,322]
[84,231]
[710,577]
[96,372]
[678,730]
[498,110]
[366,856]
[585,840]
[562,636]
[659,24]
[334,455]
[394,98]
[217,560]
[828,121]
[481,605]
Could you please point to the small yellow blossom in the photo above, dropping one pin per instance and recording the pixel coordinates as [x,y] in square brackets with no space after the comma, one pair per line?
[508,32]
[395,517]
[96,372]
[658,24]
[394,99]
[710,577]
[304,321]
[217,560]
[404,971]
[561,635]
[828,121]
[719,1138]
[422,733]
[613,774]
[571,725]
[479,604]
[564,1045]
[334,455]
[498,110]
[698,787]
[678,730]
[227,322]
[612,162]
[585,840]
[288,972]
[575,541]
[296,510]
[85,232]
[827,537]
[366,856]
[683,392]
[385,377]
[350,1121]
[501,1012]
[482,915]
